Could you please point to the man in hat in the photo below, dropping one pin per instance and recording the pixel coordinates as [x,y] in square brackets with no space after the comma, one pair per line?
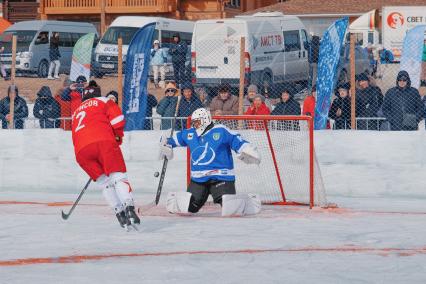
[167,105]
[368,100]
[402,106]
[188,104]
[340,109]
[178,52]
[224,103]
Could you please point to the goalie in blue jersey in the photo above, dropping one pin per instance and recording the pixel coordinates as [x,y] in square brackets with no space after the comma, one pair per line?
[212,167]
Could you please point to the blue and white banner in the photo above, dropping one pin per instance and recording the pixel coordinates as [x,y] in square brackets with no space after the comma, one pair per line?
[412,51]
[329,55]
[135,91]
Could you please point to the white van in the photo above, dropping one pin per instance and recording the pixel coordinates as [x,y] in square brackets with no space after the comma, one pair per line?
[276,50]
[32,54]
[106,54]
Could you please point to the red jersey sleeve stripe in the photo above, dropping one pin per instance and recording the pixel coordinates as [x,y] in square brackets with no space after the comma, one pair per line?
[116,120]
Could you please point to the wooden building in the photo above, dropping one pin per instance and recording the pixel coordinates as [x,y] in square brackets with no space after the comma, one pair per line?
[103,12]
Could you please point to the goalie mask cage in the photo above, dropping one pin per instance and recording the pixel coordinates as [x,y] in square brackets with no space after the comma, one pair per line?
[289,173]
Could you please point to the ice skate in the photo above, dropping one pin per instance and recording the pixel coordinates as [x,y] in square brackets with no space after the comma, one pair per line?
[132,218]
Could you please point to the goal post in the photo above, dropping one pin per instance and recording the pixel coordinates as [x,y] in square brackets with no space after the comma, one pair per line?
[289,173]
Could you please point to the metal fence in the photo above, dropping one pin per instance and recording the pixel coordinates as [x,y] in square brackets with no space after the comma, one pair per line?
[232,77]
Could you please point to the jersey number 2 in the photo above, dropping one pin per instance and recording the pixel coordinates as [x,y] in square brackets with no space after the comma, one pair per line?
[80,116]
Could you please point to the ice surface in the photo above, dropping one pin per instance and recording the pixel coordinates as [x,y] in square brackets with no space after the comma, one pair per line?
[376,236]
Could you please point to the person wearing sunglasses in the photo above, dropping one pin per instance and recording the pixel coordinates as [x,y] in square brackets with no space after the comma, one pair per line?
[402,105]
[167,105]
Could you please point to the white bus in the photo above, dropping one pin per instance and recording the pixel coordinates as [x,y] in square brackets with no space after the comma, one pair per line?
[106,54]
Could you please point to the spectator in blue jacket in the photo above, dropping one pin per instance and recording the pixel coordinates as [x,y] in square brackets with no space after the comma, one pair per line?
[178,52]
[47,109]
[188,103]
[158,63]
[167,106]
[402,106]
[20,110]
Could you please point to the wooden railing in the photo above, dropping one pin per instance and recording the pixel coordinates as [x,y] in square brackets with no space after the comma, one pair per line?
[111,6]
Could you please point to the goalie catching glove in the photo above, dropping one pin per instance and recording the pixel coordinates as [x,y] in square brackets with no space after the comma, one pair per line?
[249,154]
[166,150]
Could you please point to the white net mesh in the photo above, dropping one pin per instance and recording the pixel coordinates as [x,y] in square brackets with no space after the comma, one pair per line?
[285,141]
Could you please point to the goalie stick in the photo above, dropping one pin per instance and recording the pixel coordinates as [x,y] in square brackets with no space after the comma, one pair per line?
[65,216]
[165,161]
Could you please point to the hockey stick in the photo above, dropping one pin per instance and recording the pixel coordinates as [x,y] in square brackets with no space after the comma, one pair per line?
[165,161]
[66,216]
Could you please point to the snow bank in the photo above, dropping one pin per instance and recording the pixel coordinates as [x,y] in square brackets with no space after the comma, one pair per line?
[353,164]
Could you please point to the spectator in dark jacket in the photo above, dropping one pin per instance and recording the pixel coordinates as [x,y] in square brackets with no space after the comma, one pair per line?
[54,56]
[178,52]
[402,106]
[340,109]
[188,103]
[150,104]
[20,110]
[367,104]
[47,109]
[287,105]
[167,105]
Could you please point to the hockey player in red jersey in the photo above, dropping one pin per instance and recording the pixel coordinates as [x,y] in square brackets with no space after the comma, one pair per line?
[97,133]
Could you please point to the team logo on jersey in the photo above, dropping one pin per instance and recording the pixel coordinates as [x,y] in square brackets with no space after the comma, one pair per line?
[216,136]
[203,155]
[190,136]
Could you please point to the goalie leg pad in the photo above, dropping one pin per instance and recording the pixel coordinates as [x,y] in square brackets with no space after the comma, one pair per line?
[240,204]
[178,202]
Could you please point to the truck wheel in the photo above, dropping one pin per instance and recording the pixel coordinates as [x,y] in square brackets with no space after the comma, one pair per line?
[43,69]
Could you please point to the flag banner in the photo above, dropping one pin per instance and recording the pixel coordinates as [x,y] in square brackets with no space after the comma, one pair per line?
[412,52]
[135,91]
[82,57]
[329,56]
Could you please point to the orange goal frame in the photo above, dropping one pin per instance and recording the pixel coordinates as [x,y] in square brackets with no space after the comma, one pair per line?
[266,119]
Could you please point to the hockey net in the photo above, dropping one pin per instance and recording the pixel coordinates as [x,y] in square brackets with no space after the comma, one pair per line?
[289,173]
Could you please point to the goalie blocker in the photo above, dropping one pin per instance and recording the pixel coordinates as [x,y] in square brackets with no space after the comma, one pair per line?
[212,169]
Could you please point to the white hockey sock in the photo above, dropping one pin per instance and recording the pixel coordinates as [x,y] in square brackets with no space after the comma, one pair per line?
[178,202]
[122,188]
[109,193]
[240,204]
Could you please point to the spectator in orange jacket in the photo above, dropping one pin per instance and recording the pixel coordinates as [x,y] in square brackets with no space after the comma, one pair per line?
[65,106]
[309,103]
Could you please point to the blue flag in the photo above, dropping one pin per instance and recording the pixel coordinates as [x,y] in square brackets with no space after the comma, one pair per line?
[412,51]
[329,55]
[135,91]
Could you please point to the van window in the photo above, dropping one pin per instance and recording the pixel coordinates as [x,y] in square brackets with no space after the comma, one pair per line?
[113,33]
[42,38]
[167,37]
[291,40]
[23,40]
[65,39]
[75,37]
